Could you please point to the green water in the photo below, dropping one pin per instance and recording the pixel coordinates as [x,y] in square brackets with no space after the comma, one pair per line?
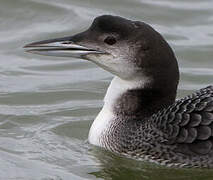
[47,104]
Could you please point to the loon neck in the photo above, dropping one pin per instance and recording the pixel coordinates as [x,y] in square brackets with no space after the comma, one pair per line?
[137,98]
[118,87]
[128,100]
[107,115]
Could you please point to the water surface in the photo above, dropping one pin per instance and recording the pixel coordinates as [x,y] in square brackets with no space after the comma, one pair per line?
[47,104]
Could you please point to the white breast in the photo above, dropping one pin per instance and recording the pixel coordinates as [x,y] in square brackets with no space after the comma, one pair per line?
[100,125]
[106,115]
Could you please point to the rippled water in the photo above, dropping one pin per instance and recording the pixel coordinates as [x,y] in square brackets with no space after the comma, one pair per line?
[47,104]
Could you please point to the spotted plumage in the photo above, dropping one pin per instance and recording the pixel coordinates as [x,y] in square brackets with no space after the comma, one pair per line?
[180,135]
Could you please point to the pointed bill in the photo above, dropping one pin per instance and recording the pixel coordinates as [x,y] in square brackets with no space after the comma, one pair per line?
[61,47]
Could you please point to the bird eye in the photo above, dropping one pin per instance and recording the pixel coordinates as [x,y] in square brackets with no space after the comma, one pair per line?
[110,40]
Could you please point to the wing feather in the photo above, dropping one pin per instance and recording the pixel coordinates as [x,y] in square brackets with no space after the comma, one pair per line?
[189,122]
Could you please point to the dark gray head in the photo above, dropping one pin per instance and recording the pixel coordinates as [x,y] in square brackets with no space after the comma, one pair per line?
[129,49]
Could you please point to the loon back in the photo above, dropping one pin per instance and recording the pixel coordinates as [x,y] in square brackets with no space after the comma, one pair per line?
[140,117]
[187,125]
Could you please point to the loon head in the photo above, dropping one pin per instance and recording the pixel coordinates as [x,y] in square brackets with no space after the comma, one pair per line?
[128,49]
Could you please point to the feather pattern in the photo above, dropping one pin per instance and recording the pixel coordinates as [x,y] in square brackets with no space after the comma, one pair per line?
[189,122]
[180,135]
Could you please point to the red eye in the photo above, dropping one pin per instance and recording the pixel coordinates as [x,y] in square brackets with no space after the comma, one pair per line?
[110,40]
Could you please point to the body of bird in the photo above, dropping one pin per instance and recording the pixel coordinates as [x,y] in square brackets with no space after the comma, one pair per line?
[140,117]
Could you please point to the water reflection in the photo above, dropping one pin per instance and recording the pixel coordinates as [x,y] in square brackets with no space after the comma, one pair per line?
[115,167]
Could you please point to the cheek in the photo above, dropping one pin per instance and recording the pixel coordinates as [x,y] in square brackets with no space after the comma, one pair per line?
[118,66]
[105,61]
[99,58]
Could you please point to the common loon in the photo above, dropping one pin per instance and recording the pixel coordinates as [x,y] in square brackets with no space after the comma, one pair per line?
[140,117]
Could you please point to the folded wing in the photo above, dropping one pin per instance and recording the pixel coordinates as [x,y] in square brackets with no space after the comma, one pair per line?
[188,123]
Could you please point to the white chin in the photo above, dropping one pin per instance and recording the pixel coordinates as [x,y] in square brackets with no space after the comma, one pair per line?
[117,66]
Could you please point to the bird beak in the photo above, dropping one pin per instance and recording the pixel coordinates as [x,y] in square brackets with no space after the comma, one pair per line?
[61,47]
